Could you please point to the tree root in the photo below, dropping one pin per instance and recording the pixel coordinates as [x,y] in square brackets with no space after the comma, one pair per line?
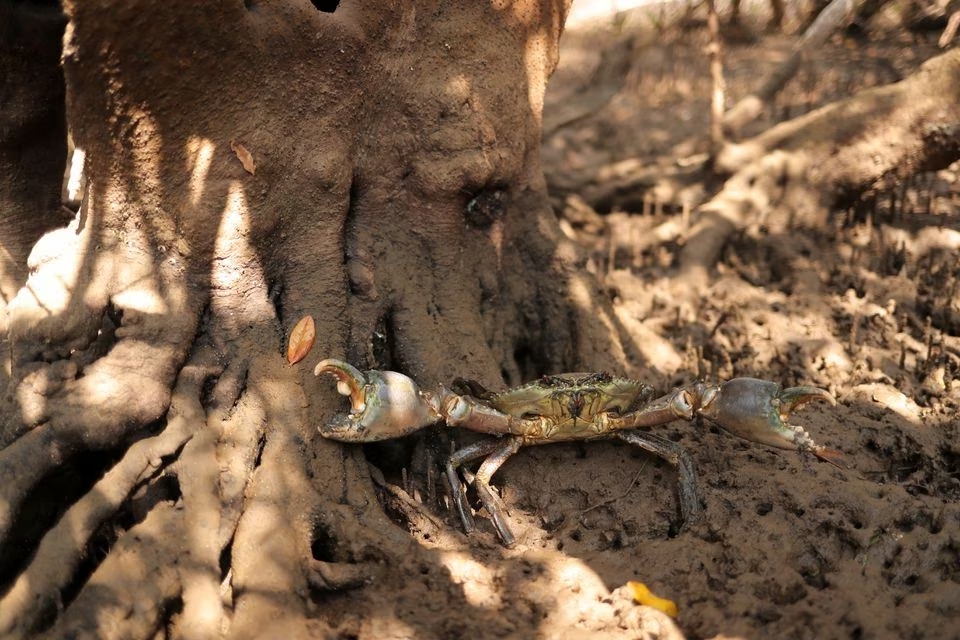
[198,472]
[837,13]
[129,595]
[87,394]
[22,465]
[798,170]
[273,536]
[241,428]
[37,590]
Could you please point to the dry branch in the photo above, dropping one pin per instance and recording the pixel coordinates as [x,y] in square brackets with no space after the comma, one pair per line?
[749,108]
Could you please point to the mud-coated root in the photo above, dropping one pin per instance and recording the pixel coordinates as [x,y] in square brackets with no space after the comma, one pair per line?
[134,589]
[798,170]
[36,593]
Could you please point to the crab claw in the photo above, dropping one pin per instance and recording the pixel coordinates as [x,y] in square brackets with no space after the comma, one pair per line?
[383,404]
[758,410]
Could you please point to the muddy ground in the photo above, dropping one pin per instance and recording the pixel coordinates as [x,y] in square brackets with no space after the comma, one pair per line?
[866,306]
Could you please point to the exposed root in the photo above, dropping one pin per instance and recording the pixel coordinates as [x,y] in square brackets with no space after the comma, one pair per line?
[130,594]
[198,472]
[22,465]
[746,197]
[74,391]
[85,416]
[803,167]
[36,592]
[750,107]
[241,440]
[272,539]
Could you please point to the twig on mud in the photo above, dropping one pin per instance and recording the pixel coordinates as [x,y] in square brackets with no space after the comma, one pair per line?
[604,503]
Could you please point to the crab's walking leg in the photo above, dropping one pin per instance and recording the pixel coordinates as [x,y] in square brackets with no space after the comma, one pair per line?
[497,452]
[490,500]
[677,456]
[456,460]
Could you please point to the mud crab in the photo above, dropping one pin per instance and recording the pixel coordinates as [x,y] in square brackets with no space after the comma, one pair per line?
[564,407]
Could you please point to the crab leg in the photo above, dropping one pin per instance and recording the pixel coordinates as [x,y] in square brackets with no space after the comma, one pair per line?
[678,457]
[458,459]
[491,501]
[679,403]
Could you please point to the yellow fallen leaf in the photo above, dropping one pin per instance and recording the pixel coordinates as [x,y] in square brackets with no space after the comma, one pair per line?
[245,157]
[301,340]
[643,595]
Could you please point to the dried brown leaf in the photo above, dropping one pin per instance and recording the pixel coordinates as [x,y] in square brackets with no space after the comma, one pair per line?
[301,340]
[245,157]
